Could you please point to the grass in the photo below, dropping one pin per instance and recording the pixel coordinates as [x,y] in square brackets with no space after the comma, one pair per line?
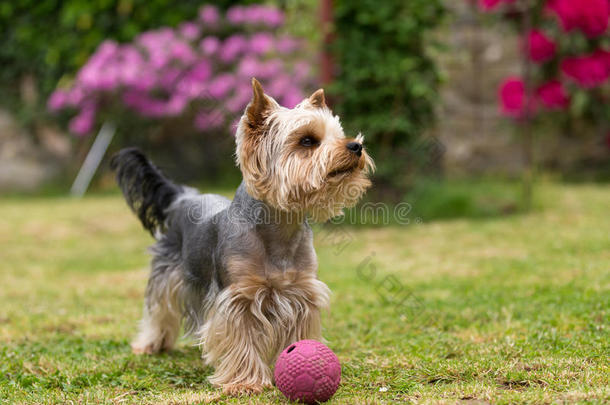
[500,309]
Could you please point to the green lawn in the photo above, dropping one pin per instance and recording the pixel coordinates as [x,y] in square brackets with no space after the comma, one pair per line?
[500,310]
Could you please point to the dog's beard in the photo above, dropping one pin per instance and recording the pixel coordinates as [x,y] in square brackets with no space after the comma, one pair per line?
[330,200]
[327,198]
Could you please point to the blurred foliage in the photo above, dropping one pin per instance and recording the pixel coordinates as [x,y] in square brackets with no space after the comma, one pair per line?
[387,83]
[433,199]
[51,39]
[301,19]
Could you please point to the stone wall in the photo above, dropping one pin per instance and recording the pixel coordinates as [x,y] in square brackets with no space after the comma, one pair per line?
[29,158]
[477,139]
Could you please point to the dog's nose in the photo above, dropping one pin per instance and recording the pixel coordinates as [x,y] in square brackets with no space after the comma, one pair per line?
[355,147]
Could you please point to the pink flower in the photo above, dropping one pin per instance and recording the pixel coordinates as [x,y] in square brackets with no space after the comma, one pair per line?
[489,5]
[588,71]
[301,70]
[236,15]
[168,77]
[193,83]
[156,39]
[104,52]
[130,64]
[512,97]
[158,46]
[256,14]
[58,100]
[232,47]
[83,123]
[279,85]
[201,71]
[552,95]
[221,85]
[292,97]
[269,16]
[209,15]
[603,56]
[271,68]
[97,76]
[189,30]
[182,52]
[76,95]
[176,104]
[158,58]
[261,43]
[209,45]
[540,47]
[589,16]
[145,80]
[249,67]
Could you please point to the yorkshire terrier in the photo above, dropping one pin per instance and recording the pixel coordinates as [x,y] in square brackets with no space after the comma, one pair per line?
[241,275]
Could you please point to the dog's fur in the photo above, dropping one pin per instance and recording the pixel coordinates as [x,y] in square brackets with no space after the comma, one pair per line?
[241,275]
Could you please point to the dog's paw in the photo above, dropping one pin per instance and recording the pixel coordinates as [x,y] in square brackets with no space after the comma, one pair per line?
[243,389]
[139,348]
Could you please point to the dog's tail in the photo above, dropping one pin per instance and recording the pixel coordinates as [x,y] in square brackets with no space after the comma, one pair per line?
[147,191]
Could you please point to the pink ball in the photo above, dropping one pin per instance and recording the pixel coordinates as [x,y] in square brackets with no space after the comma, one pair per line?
[308,371]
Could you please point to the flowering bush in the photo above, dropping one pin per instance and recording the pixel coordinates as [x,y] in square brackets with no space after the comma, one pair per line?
[588,16]
[539,47]
[200,70]
[552,95]
[569,47]
[512,94]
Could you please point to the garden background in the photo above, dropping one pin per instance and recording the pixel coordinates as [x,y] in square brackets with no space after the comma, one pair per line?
[489,121]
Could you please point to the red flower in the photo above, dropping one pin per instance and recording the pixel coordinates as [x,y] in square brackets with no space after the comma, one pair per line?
[512,97]
[552,95]
[588,71]
[540,47]
[488,5]
[604,56]
[590,16]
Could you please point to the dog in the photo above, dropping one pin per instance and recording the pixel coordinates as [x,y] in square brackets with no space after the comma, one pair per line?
[241,275]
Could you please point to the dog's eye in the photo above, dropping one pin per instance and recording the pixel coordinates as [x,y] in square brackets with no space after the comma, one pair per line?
[308,141]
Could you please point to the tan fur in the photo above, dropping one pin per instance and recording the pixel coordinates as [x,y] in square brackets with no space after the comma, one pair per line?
[275,172]
[160,324]
[317,99]
[258,315]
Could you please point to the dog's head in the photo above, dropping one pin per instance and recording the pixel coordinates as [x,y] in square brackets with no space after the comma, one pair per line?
[299,159]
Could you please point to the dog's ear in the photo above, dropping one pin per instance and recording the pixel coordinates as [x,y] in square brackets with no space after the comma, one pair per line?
[259,106]
[317,99]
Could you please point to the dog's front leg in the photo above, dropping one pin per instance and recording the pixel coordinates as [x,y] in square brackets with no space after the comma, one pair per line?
[237,341]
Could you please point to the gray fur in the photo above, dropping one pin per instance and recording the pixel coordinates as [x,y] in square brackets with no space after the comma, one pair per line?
[204,230]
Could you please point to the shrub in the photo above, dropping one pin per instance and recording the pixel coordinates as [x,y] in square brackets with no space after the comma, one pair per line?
[386,83]
[183,89]
[200,71]
[566,46]
[566,64]
[51,39]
